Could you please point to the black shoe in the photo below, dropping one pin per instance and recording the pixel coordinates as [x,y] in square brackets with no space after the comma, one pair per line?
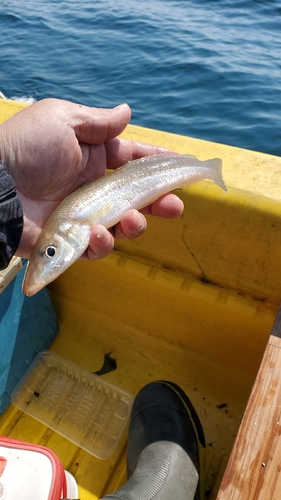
[165,446]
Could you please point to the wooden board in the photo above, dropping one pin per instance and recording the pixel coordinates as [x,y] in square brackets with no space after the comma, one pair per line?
[253,470]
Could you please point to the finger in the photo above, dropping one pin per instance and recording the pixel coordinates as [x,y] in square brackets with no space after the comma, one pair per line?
[120,151]
[132,225]
[169,206]
[101,243]
[95,125]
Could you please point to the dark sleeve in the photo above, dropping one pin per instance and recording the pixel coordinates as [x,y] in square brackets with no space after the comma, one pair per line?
[11,218]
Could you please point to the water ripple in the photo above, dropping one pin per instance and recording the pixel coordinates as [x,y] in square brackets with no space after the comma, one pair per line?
[205,68]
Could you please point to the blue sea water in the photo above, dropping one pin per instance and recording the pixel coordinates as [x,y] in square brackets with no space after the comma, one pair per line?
[205,68]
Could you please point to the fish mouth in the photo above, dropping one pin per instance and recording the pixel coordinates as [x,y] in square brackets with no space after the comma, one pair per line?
[31,284]
[30,289]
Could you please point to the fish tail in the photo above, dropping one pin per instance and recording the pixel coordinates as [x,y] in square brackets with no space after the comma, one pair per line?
[216,165]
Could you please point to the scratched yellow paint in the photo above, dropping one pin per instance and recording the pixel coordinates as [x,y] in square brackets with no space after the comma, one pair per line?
[193,300]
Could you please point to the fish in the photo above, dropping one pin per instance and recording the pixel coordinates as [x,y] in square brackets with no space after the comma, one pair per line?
[65,236]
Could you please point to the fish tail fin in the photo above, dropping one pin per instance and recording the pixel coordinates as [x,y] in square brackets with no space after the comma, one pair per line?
[216,165]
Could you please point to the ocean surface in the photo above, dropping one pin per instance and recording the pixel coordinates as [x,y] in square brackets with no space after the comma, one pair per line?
[205,68]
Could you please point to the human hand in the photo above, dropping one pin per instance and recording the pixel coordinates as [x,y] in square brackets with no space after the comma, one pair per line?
[54,146]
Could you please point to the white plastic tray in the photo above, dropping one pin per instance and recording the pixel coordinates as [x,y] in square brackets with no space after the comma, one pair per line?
[77,404]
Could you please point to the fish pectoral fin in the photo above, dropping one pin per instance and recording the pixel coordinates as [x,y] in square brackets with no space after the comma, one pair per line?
[99,215]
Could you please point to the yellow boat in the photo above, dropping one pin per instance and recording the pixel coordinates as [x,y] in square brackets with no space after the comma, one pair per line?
[192,301]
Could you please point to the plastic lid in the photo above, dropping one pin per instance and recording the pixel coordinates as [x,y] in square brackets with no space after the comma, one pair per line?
[75,403]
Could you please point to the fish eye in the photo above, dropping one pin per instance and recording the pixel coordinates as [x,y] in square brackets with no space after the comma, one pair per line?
[50,251]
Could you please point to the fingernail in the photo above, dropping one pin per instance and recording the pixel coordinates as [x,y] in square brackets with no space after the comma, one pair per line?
[103,235]
[141,224]
[139,229]
[91,255]
[120,106]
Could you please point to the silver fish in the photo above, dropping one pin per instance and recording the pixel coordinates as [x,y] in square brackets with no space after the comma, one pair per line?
[66,233]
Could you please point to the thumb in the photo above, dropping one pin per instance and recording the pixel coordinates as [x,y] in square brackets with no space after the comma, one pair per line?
[97,125]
